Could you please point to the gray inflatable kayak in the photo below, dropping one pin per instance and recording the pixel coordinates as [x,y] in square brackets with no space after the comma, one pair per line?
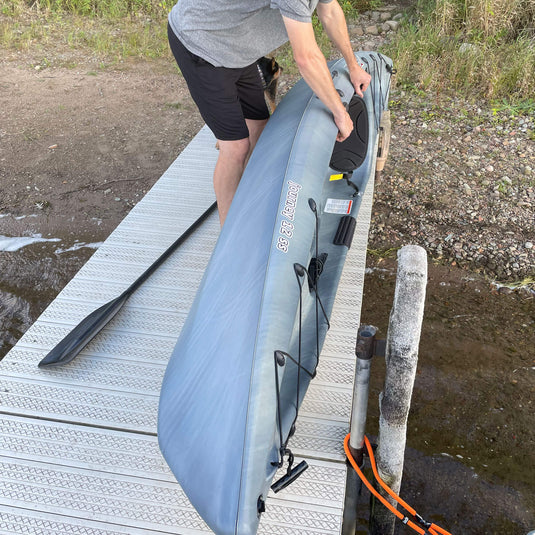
[250,345]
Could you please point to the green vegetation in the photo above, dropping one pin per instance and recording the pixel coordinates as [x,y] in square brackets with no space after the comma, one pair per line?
[110,29]
[528,283]
[480,48]
[95,8]
[351,8]
[383,253]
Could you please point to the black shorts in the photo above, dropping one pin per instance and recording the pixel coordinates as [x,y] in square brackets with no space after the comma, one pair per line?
[225,97]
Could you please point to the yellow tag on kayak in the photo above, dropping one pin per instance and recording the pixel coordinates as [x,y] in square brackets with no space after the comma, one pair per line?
[336,177]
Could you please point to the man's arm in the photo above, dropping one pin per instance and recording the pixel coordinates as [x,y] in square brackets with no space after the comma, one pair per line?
[313,67]
[333,20]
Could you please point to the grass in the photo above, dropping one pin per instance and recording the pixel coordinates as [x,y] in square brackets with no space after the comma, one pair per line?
[527,283]
[383,253]
[351,8]
[109,29]
[479,48]
[525,107]
[111,9]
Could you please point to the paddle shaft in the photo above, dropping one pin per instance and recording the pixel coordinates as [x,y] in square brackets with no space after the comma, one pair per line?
[91,325]
[166,254]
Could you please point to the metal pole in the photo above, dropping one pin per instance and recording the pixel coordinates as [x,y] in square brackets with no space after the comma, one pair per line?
[401,359]
[364,352]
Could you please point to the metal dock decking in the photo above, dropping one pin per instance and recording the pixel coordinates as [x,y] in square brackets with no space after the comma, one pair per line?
[78,446]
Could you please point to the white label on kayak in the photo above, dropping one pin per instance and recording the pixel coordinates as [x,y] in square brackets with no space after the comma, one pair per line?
[338,206]
[286,229]
[291,200]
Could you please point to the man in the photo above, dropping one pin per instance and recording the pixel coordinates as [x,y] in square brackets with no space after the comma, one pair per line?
[216,44]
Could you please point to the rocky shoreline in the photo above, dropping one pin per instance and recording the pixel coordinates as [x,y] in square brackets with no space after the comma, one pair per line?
[373,23]
[459,181]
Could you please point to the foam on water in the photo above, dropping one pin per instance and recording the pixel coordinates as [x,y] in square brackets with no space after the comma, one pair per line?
[79,245]
[15,243]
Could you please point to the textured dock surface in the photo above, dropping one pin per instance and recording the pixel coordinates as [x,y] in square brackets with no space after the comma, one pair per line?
[78,446]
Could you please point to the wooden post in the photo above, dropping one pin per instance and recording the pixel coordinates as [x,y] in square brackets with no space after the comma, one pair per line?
[401,359]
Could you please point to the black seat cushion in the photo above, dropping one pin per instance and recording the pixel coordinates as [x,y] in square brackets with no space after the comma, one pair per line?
[350,153]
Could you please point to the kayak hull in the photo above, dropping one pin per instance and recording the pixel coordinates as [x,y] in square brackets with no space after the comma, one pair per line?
[223,408]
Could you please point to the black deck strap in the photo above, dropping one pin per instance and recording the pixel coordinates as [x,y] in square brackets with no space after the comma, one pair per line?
[345,232]
[318,299]
[315,269]
[349,154]
[281,356]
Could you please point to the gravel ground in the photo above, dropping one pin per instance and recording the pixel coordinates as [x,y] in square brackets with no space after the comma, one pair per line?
[460,181]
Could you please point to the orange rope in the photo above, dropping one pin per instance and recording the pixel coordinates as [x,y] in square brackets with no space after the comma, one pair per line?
[433,529]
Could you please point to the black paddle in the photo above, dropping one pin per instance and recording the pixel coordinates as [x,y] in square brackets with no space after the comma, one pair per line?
[91,325]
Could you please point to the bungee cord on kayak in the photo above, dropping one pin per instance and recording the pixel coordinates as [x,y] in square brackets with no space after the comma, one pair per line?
[281,356]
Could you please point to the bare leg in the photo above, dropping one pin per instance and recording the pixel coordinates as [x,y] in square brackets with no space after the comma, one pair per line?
[228,171]
[233,157]
[255,129]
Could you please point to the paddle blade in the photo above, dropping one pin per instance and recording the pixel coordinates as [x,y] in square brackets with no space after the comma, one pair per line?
[82,334]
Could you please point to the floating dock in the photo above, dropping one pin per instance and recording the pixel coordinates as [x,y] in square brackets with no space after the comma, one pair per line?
[78,447]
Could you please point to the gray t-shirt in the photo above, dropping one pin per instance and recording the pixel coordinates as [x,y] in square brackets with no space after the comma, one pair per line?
[235,34]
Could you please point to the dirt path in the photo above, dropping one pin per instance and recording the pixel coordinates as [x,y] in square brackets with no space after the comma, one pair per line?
[83,146]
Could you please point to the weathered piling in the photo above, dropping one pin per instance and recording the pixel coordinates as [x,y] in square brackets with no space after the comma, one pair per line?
[401,359]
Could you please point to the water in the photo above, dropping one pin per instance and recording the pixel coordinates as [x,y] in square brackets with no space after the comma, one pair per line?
[11,244]
[471,428]
[34,269]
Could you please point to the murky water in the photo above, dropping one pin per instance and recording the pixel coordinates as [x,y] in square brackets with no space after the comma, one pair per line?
[30,279]
[470,461]
[34,267]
